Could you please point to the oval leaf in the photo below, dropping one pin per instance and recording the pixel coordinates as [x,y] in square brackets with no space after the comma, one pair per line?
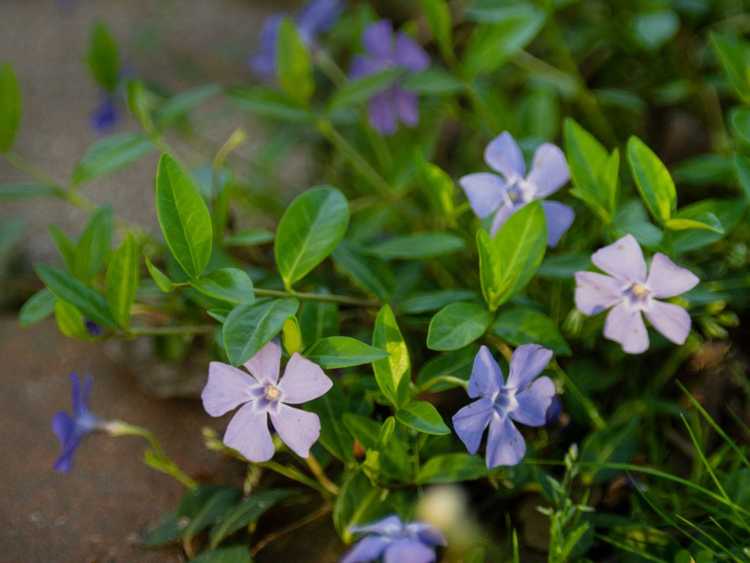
[653,180]
[110,154]
[421,245]
[451,468]
[393,373]
[250,327]
[422,417]
[228,284]
[457,325]
[343,352]
[122,280]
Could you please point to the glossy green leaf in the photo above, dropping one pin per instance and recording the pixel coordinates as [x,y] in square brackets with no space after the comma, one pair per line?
[160,279]
[563,266]
[447,371]
[523,325]
[67,288]
[653,180]
[333,434]
[311,227]
[103,58]
[457,325]
[234,554]
[10,107]
[342,352]
[362,89]
[433,300]
[393,373]
[728,212]
[183,216]
[122,280]
[417,246]
[422,417]
[94,244]
[293,66]
[37,308]
[734,56]
[249,237]
[245,513]
[250,327]
[706,222]
[215,509]
[109,155]
[633,219]
[227,284]
[451,468]
[364,271]
[318,320]
[27,190]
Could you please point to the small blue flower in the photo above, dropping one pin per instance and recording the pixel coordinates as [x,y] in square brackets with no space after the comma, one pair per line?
[106,115]
[70,430]
[525,399]
[395,542]
[92,328]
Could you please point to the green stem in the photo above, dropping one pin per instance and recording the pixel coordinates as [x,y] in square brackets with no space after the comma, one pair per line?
[320,475]
[167,330]
[294,474]
[323,297]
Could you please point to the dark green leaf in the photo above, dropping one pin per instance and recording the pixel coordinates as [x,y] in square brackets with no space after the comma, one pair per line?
[10,107]
[393,373]
[434,300]
[122,280]
[734,55]
[182,103]
[245,513]
[457,325]
[64,245]
[363,271]
[109,155]
[103,58]
[563,266]
[728,213]
[270,103]
[221,503]
[433,81]
[422,417]
[250,237]
[38,307]
[359,91]
[446,371]
[28,190]
[342,352]
[417,246]
[169,529]
[236,554]
[94,245]
[318,320]
[250,327]
[451,468]
[522,325]
[363,429]
[653,29]
[334,435]
[438,15]
[227,284]
[67,288]
[358,503]
[742,169]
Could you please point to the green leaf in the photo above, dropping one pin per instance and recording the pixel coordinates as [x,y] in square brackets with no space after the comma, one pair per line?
[64,245]
[359,502]
[37,308]
[318,320]
[742,170]
[103,58]
[141,103]
[363,271]
[422,417]
[433,81]
[734,56]
[433,300]
[393,373]
[438,16]
[653,29]
[122,280]
[10,107]
[169,529]
[446,371]
[250,327]
[707,222]
[109,155]
[17,190]
[563,266]
[342,352]
[728,212]
[457,325]
[221,503]
[334,435]
[181,104]
[417,246]
[183,216]
[69,320]
[509,261]
[522,325]
[362,428]
[66,287]
[439,189]
[271,103]
[309,230]
[293,63]
[451,468]
[249,237]
[653,180]
[161,280]
[94,245]
[632,218]
[245,513]
[227,284]
[235,554]
[358,91]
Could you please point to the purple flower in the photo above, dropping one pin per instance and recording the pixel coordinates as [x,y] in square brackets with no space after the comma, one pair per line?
[384,51]
[92,328]
[70,430]
[524,399]
[505,194]
[628,291]
[395,542]
[106,115]
[262,395]
[315,18]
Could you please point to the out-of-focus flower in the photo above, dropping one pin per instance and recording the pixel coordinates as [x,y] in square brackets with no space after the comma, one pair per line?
[629,291]
[525,399]
[92,328]
[264,395]
[395,542]
[383,50]
[71,429]
[315,18]
[506,193]
[106,115]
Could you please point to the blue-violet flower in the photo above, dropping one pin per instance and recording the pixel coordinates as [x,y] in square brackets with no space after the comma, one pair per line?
[70,430]
[106,115]
[395,542]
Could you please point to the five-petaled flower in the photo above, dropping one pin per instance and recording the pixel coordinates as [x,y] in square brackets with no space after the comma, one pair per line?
[525,399]
[70,430]
[106,115]
[395,542]
[503,195]
[629,291]
[384,51]
[315,18]
[262,395]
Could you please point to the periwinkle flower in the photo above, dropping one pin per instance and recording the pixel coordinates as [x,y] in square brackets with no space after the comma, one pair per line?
[525,398]
[383,51]
[506,193]
[106,115]
[395,542]
[260,395]
[315,18]
[71,430]
[92,328]
[629,291]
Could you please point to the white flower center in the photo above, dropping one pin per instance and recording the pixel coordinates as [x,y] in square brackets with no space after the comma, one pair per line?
[271,392]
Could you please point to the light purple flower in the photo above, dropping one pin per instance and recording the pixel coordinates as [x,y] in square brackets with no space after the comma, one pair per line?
[506,193]
[629,291]
[264,395]
[383,50]
[395,542]
[316,17]
[525,399]
[71,430]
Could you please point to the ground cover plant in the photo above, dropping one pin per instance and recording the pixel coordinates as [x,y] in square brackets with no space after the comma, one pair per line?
[503,322]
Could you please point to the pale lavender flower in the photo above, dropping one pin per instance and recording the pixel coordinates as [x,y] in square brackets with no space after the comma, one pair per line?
[525,399]
[506,193]
[629,291]
[71,430]
[316,17]
[385,50]
[395,542]
[264,395]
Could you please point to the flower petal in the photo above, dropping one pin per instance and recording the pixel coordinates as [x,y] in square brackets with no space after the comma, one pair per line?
[625,325]
[505,444]
[378,39]
[534,402]
[266,363]
[484,192]
[549,170]
[366,549]
[622,259]
[363,66]
[486,375]
[381,111]
[559,219]
[63,426]
[388,526]
[671,320]
[407,104]
[667,279]
[226,389]
[408,551]
[248,433]
[298,429]
[263,63]
[470,422]
[502,216]
[318,16]
[596,292]
[527,362]
[303,381]
[409,54]
[504,155]
[427,534]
